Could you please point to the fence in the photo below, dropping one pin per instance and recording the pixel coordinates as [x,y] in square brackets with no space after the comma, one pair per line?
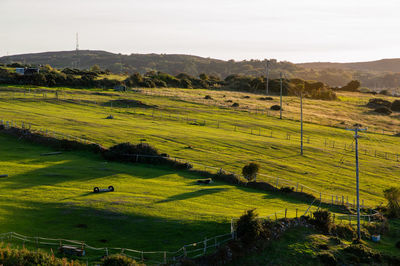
[93,254]
[278,182]
[193,250]
[253,130]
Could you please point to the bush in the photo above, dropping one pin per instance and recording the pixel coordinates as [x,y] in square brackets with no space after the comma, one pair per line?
[396,106]
[275,107]
[23,256]
[208,97]
[229,178]
[249,228]
[392,195]
[383,111]
[377,228]
[344,231]
[351,86]
[265,98]
[119,260]
[327,258]
[250,171]
[322,221]
[363,253]
[128,152]
[323,94]
[385,92]
[235,105]
[377,102]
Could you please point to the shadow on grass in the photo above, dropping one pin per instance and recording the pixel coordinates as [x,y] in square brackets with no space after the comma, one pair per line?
[105,227]
[194,194]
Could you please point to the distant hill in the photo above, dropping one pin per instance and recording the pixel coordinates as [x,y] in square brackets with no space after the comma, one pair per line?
[375,74]
[142,63]
[384,65]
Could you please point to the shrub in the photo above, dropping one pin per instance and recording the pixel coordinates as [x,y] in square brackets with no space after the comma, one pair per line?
[377,102]
[392,195]
[385,92]
[344,231]
[327,258]
[364,253]
[229,178]
[322,221]
[119,260]
[396,106]
[323,94]
[377,228]
[208,97]
[129,153]
[249,228]
[250,171]
[275,107]
[235,105]
[383,111]
[351,86]
[23,256]
[265,98]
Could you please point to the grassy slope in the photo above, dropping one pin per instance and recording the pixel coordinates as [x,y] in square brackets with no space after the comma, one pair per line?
[301,246]
[82,113]
[153,208]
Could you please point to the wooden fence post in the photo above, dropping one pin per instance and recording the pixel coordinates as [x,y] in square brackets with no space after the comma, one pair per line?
[296,212]
[205,246]
[285,213]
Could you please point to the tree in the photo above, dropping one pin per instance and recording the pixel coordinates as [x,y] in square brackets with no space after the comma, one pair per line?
[249,228]
[95,68]
[250,171]
[392,195]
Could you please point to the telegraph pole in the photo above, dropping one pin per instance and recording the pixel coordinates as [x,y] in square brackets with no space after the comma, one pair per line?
[301,123]
[280,101]
[267,91]
[356,130]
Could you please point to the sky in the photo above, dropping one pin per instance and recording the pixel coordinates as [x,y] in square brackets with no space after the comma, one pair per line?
[286,30]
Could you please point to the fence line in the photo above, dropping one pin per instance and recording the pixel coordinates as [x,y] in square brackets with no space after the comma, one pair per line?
[192,250]
[262,131]
[276,181]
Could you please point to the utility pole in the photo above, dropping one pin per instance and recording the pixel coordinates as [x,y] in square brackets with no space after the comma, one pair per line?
[267,84]
[356,130]
[280,102]
[301,123]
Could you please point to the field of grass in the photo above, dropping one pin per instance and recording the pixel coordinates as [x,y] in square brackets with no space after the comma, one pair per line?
[176,126]
[152,208]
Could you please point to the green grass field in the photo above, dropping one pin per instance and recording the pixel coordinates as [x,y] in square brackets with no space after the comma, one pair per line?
[152,208]
[175,124]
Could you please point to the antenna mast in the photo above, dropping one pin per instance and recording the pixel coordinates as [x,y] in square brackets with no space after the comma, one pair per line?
[77,51]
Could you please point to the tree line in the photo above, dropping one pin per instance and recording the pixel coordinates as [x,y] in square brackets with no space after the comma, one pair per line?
[97,78]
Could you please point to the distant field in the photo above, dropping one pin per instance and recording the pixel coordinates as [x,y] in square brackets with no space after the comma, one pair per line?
[152,208]
[173,121]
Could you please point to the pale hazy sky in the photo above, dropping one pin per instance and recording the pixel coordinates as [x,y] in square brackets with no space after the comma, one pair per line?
[293,30]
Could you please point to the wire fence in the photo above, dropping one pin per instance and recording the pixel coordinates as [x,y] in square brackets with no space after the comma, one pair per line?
[263,131]
[277,182]
[88,253]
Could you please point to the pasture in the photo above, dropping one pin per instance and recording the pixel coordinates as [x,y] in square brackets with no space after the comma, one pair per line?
[187,126]
[152,208]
